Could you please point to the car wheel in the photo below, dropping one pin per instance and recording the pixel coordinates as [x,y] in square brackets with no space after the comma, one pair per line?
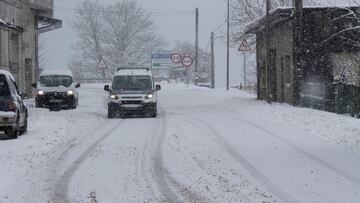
[154,112]
[13,132]
[73,105]
[37,105]
[110,114]
[23,129]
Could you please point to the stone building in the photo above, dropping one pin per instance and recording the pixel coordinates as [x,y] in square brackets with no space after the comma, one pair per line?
[329,51]
[21,21]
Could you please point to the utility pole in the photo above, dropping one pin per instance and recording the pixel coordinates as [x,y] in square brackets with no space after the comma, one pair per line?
[196,44]
[268,57]
[212,62]
[228,46]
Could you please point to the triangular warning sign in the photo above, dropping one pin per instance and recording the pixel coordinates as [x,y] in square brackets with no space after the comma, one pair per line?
[244,46]
[101,64]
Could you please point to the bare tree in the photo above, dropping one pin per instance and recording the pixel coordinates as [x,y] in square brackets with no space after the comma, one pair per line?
[130,34]
[89,26]
[122,34]
[244,12]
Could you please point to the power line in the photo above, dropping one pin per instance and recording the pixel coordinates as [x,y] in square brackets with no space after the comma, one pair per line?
[158,12]
[220,26]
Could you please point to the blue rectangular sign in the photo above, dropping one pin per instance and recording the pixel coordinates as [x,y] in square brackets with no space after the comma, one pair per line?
[160,56]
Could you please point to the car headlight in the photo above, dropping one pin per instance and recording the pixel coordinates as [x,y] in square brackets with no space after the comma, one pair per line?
[70,92]
[149,96]
[114,96]
[40,93]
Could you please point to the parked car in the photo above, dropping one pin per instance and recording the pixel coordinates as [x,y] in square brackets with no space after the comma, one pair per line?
[13,112]
[56,90]
[133,91]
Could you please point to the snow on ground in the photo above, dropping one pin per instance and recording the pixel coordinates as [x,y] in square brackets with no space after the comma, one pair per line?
[205,146]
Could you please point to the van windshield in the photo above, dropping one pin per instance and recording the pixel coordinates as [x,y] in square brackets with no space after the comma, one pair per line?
[132,83]
[4,88]
[56,80]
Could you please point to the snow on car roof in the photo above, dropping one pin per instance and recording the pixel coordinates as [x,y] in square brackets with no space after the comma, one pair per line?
[7,73]
[135,71]
[56,72]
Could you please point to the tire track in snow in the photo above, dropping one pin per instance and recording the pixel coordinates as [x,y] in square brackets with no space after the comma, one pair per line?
[251,169]
[60,194]
[348,177]
[161,174]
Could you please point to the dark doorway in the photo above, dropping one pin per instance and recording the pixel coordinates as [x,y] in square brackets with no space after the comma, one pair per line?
[273,75]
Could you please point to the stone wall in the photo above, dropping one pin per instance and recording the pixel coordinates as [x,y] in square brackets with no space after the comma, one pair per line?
[282,73]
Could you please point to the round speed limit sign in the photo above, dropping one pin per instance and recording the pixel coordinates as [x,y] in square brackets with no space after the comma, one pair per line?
[176,58]
[187,61]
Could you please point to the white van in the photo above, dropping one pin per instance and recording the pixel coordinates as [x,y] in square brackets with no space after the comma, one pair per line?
[56,90]
[132,91]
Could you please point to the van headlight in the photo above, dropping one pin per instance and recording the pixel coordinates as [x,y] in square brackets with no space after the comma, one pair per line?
[149,96]
[114,96]
[70,92]
[40,93]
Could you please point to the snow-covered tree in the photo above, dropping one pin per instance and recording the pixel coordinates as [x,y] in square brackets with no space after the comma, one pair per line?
[244,12]
[122,34]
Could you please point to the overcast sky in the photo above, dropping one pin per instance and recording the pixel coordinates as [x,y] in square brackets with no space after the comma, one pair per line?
[172,28]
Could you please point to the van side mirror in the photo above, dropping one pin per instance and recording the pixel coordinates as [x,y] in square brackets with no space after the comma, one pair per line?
[34,85]
[107,88]
[158,87]
[77,85]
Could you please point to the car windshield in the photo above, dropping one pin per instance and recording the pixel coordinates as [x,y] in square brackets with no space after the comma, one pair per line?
[56,80]
[132,83]
[4,88]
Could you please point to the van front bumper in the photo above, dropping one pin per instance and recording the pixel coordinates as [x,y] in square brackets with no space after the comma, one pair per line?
[129,107]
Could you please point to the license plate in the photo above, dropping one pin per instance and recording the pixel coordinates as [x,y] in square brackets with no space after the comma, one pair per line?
[131,105]
[55,100]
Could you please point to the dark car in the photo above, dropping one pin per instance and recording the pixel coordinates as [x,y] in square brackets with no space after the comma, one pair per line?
[56,90]
[13,112]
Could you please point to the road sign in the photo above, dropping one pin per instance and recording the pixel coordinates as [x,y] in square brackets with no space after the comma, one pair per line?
[101,64]
[187,61]
[161,56]
[161,60]
[244,46]
[176,58]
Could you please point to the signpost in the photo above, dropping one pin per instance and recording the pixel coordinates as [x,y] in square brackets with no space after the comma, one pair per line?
[163,63]
[244,47]
[102,66]
[176,58]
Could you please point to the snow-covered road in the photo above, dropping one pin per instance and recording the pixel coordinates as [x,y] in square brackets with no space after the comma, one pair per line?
[205,146]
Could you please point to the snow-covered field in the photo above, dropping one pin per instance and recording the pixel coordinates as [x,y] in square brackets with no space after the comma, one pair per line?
[204,146]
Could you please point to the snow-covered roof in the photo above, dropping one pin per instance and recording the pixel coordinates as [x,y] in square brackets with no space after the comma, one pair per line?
[56,72]
[7,73]
[284,13]
[135,71]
